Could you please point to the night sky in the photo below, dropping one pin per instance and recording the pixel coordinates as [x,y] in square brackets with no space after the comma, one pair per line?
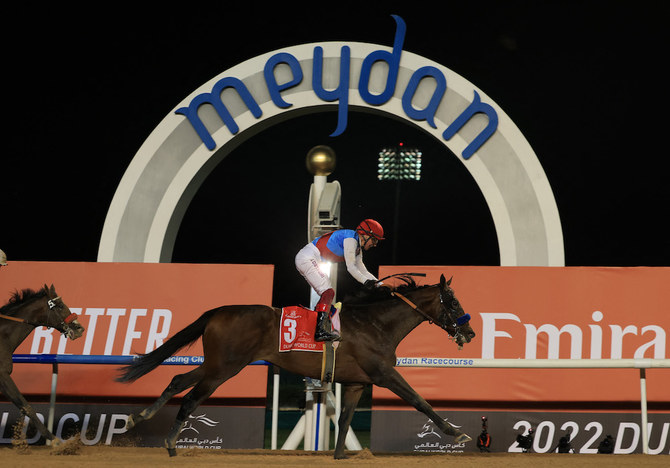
[583,81]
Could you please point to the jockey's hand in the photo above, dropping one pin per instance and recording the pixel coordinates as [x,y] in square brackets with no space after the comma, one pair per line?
[387,289]
[370,284]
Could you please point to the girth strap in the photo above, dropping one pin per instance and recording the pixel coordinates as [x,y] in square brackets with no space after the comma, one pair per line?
[328,362]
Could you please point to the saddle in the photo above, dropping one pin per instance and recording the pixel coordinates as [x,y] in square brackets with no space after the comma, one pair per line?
[296,333]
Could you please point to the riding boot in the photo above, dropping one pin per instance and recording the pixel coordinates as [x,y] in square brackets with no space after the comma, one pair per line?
[322,329]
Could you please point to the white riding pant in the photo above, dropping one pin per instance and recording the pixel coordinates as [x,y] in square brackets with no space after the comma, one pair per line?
[307,262]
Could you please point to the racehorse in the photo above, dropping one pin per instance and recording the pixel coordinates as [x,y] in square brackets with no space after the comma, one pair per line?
[25,311]
[372,326]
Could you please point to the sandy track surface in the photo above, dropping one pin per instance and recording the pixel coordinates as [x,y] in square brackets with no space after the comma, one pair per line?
[99,456]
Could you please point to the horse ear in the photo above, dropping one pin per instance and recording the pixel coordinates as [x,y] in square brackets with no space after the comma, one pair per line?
[52,290]
[444,282]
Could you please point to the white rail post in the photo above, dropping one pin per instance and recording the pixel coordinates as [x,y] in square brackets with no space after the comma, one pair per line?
[643,410]
[319,417]
[338,408]
[275,407]
[52,399]
[296,435]
[309,417]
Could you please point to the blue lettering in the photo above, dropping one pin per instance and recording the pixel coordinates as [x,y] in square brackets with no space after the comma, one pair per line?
[271,82]
[476,106]
[340,93]
[393,60]
[214,98]
[427,114]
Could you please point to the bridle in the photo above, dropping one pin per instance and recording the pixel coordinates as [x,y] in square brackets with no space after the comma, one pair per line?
[448,319]
[52,306]
[448,313]
[67,320]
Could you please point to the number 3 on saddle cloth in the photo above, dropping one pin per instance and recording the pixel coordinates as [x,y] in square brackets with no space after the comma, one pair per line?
[297,327]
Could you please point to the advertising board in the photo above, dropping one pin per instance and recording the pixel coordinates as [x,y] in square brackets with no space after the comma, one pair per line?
[132,308]
[538,313]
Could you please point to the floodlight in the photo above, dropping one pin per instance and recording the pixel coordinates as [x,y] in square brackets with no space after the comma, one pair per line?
[399,163]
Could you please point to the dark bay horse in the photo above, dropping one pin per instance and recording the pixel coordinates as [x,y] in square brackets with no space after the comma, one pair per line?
[372,327]
[25,311]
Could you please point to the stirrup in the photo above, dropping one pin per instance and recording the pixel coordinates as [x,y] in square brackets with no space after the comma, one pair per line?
[323,330]
[324,335]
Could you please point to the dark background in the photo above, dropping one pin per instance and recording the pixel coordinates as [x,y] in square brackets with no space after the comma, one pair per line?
[585,82]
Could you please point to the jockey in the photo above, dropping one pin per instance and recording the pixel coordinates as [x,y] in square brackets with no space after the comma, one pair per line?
[3,259]
[342,245]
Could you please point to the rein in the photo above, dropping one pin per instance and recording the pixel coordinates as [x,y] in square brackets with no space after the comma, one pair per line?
[406,277]
[412,305]
[448,313]
[13,318]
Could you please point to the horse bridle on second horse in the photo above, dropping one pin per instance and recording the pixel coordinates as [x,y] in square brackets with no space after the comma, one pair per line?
[52,305]
[448,319]
[57,303]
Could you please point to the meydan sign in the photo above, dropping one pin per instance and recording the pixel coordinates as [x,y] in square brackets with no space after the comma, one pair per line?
[154,193]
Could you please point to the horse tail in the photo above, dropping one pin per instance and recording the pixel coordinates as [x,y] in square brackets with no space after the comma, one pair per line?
[145,363]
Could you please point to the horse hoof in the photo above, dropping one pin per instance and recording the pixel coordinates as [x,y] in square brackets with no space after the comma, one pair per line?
[340,456]
[130,423]
[171,450]
[462,438]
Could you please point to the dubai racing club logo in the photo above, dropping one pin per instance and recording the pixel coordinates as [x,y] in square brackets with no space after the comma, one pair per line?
[203,438]
[428,432]
[200,420]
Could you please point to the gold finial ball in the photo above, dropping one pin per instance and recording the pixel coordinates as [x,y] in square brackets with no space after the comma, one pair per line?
[321,160]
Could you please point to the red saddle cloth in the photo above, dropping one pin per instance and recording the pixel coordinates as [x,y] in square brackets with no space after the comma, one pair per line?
[296,330]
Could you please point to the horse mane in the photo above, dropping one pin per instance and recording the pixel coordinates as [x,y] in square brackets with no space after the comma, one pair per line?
[19,298]
[370,296]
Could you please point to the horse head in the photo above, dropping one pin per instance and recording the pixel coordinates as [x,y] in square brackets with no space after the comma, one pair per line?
[445,311]
[59,315]
[452,317]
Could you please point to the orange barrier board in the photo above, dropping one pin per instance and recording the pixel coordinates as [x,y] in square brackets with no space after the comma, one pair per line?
[545,312]
[131,308]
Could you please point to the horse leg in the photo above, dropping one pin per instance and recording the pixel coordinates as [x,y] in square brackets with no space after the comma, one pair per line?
[11,391]
[391,379]
[351,395]
[192,400]
[178,384]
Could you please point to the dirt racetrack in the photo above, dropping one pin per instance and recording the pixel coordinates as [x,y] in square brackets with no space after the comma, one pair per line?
[104,456]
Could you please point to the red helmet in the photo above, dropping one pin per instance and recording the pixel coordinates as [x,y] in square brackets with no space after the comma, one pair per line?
[371,228]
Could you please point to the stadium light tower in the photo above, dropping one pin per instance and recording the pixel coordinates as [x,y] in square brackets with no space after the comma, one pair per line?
[399,163]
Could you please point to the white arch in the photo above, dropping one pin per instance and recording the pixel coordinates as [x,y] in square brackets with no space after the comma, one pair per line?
[167,171]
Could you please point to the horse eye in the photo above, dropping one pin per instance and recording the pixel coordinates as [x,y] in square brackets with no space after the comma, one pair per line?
[454,303]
